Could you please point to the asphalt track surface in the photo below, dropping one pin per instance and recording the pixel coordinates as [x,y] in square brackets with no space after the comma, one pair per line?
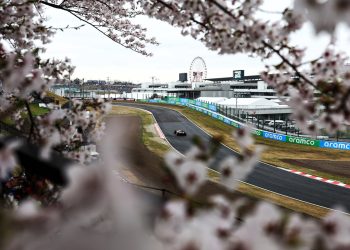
[264,176]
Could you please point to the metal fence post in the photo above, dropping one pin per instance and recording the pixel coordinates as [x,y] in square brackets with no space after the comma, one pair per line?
[263,123]
[337,135]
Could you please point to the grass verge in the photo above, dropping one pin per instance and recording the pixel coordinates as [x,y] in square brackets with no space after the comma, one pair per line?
[161,149]
[280,200]
[61,100]
[155,144]
[34,108]
[37,111]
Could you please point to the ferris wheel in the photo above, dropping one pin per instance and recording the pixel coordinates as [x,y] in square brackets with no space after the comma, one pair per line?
[198,70]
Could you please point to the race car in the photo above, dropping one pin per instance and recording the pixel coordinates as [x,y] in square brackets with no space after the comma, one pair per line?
[179,132]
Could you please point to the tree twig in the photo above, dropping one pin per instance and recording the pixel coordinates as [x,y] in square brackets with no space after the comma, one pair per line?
[32,122]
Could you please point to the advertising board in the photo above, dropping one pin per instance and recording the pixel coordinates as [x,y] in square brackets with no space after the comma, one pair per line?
[212,107]
[303,141]
[335,145]
[257,132]
[274,136]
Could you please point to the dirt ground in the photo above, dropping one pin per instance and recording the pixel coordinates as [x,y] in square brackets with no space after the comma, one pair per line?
[341,168]
[147,169]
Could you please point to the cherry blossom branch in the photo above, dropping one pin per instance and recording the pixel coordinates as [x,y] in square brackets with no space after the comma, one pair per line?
[284,59]
[221,7]
[105,4]
[99,30]
[127,38]
[294,67]
[270,12]
[59,7]
[67,27]
[191,18]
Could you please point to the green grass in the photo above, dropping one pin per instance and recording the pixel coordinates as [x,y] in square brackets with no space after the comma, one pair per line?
[37,111]
[156,147]
[275,151]
[61,100]
[34,108]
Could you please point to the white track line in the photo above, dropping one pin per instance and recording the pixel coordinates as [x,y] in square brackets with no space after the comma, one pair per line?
[159,131]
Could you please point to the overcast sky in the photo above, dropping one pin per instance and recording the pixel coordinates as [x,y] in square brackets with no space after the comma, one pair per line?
[97,57]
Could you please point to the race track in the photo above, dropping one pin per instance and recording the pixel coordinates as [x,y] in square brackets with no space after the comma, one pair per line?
[263,176]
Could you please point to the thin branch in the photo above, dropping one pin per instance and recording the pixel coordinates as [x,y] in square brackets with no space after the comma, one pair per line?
[32,122]
[105,4]
[344,100]
[68,27]
[221,7]
[37,10]
[310,61]
[62,2]
[270,12]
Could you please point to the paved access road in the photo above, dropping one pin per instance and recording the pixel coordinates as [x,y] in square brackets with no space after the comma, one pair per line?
[264,175]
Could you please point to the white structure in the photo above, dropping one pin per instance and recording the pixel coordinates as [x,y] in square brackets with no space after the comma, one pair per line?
[254,106]
[160,89]
[198,71]
[262,85]
[211,99]
[248,103]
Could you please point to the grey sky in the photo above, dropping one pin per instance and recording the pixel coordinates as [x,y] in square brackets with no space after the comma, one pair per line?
[97,57]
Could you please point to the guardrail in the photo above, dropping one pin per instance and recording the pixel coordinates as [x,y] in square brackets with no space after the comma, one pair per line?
[212,111]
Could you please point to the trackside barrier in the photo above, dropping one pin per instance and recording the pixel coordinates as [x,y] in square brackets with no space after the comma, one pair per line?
[211,110]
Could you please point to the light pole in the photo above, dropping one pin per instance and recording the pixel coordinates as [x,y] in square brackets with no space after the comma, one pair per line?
[235,95]
[236,101]
[109,89]
[82,87]
[69,87]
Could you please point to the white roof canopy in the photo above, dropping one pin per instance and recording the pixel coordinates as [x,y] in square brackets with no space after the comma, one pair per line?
[211,99]
[248,103]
